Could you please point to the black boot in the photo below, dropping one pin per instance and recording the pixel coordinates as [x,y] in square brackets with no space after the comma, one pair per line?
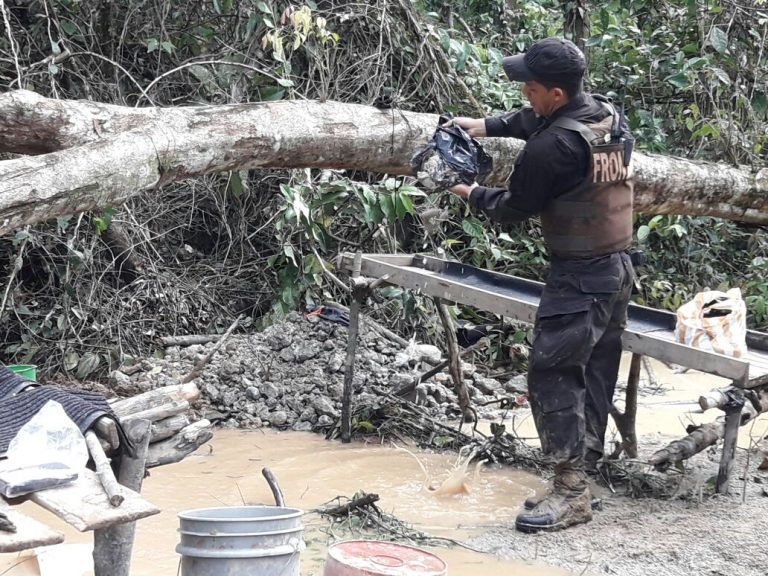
[570,503]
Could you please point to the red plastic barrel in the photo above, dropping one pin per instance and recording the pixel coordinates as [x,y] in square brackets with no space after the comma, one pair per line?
[373,558]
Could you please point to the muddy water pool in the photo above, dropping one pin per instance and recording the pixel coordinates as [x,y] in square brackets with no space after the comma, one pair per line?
[313,471]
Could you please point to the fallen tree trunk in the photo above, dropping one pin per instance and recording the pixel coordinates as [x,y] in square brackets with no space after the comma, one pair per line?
[679,450]
[159,413]
[173,435]
[178,447]
[158,398]
[704,436]
[82,143]
[168,427]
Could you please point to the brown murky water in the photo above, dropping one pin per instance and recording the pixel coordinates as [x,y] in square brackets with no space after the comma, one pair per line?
[312,471]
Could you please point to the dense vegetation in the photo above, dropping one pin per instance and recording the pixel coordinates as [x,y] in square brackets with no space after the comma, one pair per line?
[86,293]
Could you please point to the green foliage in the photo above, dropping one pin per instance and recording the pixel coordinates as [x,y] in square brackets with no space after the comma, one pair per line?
[693,81]
[691,74]
[689,254]
[101,222]
[307,217]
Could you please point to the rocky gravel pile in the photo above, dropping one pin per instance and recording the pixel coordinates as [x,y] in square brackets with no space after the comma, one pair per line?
[291,375]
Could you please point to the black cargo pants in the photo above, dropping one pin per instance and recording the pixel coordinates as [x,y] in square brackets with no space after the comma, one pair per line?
[576,353]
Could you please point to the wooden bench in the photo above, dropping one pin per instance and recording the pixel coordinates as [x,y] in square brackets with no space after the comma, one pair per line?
[29,533]
[650,332]
[85,505]
[82,504]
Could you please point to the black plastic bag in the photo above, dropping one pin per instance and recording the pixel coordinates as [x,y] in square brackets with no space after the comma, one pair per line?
[451,157]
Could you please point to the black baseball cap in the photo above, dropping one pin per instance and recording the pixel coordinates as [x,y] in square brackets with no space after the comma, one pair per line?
[549,60]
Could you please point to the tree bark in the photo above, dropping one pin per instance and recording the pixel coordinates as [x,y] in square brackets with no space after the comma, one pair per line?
[97,155]
[705,435]
[679,450]
[157,397]
[576,22]
[454,362]
[178,447]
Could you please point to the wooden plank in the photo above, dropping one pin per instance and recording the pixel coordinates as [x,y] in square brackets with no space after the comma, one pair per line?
[663,345]
[348,259]
[29,532]
[657,346]
[84,504]
[423,274]
[759,361]
[432,284]
[754,382]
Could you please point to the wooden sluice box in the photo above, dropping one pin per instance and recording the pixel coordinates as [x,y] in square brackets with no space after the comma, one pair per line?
[649,332]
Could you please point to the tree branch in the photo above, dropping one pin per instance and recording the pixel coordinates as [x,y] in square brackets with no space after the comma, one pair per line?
[97,155]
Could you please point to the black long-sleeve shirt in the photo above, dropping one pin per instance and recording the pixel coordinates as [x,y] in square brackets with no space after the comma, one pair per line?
[553,161]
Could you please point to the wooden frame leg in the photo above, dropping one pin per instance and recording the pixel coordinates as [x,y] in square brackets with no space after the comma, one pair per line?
[454,362]
[113,546]
[732,422]
[358,295]
[626,421]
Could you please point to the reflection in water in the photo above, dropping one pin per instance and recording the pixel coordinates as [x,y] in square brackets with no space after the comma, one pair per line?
[311,472]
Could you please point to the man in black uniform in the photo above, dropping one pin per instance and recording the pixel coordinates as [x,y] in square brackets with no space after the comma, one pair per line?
[575,172]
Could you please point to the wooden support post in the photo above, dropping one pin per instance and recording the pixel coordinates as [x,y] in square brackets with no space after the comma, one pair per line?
[625,422]
[454,362]
[730,437]
[112,547]
[359,291]
[358,295]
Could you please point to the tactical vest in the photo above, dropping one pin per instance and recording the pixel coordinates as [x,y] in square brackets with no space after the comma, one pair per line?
[595,218]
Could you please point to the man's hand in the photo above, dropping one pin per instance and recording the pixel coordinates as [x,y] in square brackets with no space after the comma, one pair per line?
[475,127]
[463,190]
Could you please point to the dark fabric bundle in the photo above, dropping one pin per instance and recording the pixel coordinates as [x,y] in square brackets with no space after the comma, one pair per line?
[11,383]
[451,157]
[21,399]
